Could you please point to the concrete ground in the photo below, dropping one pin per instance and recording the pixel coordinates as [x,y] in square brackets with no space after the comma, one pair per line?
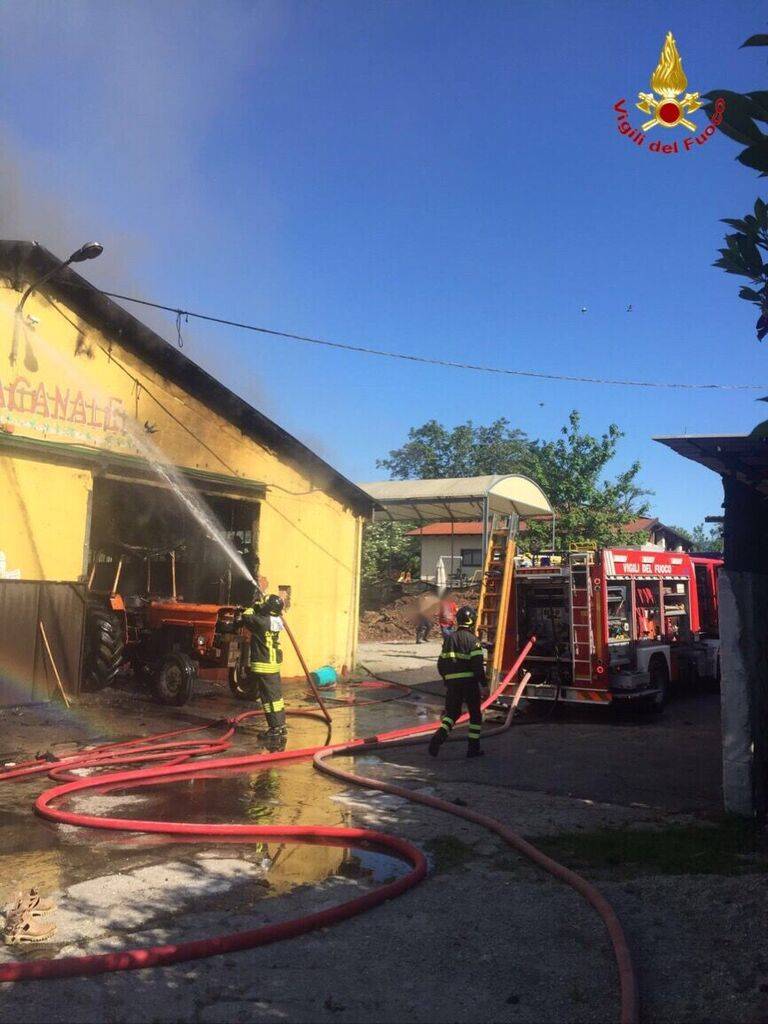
[486,937]
[670,762]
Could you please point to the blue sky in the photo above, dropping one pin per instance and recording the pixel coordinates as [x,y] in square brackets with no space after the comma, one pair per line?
[439,178]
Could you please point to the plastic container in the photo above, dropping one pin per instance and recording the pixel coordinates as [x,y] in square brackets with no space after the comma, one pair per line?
[325,677]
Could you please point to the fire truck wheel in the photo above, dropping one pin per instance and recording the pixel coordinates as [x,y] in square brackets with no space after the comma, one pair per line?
[658,674]
[175,679]
[104,646]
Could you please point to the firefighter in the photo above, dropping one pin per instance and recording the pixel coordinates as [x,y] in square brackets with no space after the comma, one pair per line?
[265,624]
[462,666]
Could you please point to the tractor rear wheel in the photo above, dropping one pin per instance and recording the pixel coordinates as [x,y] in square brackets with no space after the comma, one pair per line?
[104,647]
[175,679]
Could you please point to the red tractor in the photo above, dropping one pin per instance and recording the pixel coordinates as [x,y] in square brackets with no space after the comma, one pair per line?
[158,637]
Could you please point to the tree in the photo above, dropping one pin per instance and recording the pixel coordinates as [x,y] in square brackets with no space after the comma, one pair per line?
[387,551]
[570,471]
[589,508]
[740,116]
[432,452]
[707,538]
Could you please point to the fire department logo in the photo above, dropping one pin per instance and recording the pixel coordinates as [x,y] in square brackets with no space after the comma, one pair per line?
[669,81]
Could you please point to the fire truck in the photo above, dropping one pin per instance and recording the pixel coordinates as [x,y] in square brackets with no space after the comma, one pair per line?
[611,625]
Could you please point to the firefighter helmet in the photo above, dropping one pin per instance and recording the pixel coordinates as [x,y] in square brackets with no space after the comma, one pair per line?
[465,616]
[274,605]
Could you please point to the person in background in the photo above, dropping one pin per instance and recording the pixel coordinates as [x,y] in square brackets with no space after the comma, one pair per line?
[447,616]
[425,616]
[462,666]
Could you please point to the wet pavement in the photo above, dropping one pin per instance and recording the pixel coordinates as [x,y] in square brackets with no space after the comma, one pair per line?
[670,762]
[82,864]
[538,956]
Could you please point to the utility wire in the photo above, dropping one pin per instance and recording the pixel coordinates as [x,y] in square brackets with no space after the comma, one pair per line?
[451,364]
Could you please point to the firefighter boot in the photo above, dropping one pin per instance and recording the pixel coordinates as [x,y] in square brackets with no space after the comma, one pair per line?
[275,739]
[473,748]
[438,739]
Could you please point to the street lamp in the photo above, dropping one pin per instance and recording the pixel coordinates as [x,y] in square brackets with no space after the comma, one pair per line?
[89,251]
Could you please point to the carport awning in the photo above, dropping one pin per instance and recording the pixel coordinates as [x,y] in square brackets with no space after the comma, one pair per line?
[460,499]
[744,456]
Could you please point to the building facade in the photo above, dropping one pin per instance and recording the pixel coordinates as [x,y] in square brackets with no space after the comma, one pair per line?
[100,419]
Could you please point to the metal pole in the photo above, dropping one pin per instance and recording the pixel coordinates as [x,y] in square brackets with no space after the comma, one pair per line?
[553,533]
[485,528]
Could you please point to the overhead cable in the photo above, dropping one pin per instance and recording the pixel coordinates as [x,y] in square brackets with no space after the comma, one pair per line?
[427,360]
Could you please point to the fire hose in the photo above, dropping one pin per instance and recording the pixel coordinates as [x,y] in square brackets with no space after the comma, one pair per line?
[176,753]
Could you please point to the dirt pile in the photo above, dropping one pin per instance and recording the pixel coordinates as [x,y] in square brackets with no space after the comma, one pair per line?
[396,620]
[393,621]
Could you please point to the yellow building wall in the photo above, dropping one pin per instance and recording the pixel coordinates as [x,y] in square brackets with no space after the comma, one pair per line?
[43,519]
[88,391]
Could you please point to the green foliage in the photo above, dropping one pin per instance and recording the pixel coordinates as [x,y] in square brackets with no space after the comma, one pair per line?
[432,452]
[743,119]
[387,552]
[743,257]
[707,538]
[570,470]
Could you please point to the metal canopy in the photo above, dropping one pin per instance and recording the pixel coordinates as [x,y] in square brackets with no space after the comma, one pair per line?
[744,456]
[460,499]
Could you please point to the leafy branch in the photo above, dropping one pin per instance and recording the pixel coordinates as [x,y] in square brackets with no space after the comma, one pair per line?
[741,120]
[742,256]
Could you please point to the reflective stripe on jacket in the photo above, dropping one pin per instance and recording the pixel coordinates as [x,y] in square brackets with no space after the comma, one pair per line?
[462,657]
[266,653]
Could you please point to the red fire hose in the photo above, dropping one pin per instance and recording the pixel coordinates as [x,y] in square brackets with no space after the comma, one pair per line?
[177,753]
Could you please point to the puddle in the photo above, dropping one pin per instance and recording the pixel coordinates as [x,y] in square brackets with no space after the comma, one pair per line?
[122,881]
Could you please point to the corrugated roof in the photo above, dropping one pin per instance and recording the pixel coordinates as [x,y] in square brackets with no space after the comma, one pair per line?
[744,456]
[28,261]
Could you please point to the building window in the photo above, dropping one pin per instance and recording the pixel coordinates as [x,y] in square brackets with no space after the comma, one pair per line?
[471,558]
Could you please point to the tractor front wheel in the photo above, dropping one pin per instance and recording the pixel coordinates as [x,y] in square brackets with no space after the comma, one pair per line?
[175,680]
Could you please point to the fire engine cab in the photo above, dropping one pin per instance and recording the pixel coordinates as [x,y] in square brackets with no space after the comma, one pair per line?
[611,625]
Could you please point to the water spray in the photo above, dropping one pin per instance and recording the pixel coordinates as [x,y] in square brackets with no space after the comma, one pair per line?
[189,499]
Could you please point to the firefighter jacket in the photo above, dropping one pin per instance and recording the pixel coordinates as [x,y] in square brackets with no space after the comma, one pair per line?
[265,629]
[462,657]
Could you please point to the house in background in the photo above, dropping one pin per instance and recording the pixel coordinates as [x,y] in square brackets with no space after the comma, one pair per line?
[452,553]
[660,537]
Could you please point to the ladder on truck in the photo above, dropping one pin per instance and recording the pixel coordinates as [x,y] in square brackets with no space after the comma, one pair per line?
[582,637]
[495,590]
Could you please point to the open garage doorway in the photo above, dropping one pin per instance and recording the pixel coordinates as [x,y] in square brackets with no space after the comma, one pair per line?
[149,518]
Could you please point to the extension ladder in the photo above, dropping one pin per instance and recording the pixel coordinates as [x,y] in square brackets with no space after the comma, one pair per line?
[493,607]
[582,637]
